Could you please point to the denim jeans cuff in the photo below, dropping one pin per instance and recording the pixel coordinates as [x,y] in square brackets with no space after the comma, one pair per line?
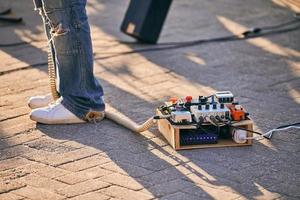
[79,113]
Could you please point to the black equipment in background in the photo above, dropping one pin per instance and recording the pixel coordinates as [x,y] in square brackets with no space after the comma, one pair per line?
[144,19]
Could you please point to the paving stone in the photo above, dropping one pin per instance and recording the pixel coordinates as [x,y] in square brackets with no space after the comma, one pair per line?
[197,191]
[126,194]
[155,165]
[39,169]
[12,127]
[49,145]
[37,194]
[14,151]
[12,163]
[48,158]
[170,187]
[159,154]
[85,163]
[284,197]
[288,189]
[90,173]
[126,169]
[179,196]
[215,184]
[10,196]
[53,159]
[136,147]
[7,186]
[91,196]
[42,182]
[74,144]
[20,139]
[162,176]
[83,187]
[131,158]
[12,174]
[46,171]
[122,180]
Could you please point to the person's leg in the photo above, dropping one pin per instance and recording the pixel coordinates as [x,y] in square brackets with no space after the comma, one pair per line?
[70,34]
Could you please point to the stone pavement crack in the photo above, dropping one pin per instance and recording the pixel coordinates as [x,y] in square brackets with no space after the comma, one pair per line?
[13,117]
[18,133]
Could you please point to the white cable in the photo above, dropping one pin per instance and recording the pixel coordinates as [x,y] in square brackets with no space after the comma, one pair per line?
[128,123]
[270,133]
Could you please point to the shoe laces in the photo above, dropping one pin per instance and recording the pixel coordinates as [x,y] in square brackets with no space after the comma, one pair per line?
[54,104]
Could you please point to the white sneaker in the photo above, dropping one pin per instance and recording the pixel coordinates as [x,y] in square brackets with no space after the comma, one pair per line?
[40,101]
[55,113]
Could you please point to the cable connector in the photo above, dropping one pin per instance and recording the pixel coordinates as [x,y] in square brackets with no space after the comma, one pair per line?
[157,117]
[251,32]
[239,136]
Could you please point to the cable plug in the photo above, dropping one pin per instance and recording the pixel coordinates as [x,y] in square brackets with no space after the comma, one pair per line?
[239,136]
[251,32]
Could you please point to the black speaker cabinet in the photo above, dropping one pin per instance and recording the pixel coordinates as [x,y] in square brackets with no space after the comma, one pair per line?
[144,19]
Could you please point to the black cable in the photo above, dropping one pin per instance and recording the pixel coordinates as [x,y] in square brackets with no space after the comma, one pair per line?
[251,33]
[296,20]
[230,124]
[284,126]
[245,35]
[267,137]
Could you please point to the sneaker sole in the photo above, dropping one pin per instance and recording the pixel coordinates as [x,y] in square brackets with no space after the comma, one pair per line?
[67,121]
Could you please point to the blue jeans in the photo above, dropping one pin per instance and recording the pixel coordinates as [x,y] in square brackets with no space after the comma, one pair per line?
[68,32]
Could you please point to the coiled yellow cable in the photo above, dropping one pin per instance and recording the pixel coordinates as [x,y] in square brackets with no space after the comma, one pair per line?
[52,75]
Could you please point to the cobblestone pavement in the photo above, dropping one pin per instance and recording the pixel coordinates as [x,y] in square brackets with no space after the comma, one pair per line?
[106,161]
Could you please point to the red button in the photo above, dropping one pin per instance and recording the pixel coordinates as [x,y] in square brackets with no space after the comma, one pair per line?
[188,98]
[174,100]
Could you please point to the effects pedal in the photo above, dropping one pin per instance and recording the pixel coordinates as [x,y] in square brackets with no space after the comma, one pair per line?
[238,113]
[224,97]
[181,117]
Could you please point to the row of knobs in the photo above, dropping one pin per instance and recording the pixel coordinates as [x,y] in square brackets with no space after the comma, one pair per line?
[203,101]
[207,106]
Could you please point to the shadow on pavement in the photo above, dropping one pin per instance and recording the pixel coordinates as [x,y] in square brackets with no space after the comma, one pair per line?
[250,172]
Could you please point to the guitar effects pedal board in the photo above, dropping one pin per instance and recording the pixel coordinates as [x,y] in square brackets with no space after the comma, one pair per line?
[205,121]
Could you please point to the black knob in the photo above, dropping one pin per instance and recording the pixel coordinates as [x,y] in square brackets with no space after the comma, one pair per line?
[199,107]
[199,99]
[207,106]
[214,106]
[203,100]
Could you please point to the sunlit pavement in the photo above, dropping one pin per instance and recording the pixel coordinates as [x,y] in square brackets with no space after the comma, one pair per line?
[106,161]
